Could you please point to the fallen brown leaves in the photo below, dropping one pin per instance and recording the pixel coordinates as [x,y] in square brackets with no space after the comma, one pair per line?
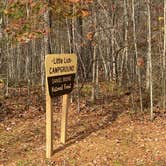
[103,133]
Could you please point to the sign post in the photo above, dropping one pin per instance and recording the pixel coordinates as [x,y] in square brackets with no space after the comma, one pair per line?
[49,133]
[60,74]
[65,106]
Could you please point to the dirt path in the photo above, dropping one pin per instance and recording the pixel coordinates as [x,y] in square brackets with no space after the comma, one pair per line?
[101,135]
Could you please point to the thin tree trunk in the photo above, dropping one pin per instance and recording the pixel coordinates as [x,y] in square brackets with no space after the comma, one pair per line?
[126,40]
[104,63]
[18,62]
[113,54]
[150,58]
[138,71]
[78,94]
[7,71]
[70,35]
[97,77]
[164,61]
[7,57]
[47,47]
[94,75]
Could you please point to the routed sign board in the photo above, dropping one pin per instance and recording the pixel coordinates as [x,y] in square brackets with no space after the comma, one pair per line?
[60,73]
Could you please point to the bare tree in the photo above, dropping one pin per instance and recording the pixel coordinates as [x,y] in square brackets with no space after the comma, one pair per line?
[149,58]
[164,61]
[138,72]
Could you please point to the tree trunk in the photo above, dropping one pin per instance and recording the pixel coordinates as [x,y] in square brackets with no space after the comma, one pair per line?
[149,61]
[94,75]
[47,47]
[126,42]
[164,61]
[138,71]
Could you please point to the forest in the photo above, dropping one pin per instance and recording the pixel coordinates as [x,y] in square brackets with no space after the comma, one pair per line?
[118,103]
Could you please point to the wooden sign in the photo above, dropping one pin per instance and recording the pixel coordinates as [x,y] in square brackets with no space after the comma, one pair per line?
[60,64]
[60,85]
[60,74]
[2,84]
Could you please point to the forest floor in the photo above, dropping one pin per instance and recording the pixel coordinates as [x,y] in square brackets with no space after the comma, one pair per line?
[107,133]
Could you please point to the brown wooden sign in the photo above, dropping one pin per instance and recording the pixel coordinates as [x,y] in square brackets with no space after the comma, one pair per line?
[60,64]
[60,73]
[60,85]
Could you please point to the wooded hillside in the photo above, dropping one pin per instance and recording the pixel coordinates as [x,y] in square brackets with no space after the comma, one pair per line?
[118,105]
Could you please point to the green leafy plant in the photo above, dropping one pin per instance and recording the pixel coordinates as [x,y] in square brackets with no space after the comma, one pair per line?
[24,163]
[116,163]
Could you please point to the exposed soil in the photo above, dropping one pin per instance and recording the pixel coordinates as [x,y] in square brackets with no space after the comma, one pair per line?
[106,133]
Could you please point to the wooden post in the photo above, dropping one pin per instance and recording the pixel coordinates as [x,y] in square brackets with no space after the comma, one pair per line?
[65,105]
[49,118]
